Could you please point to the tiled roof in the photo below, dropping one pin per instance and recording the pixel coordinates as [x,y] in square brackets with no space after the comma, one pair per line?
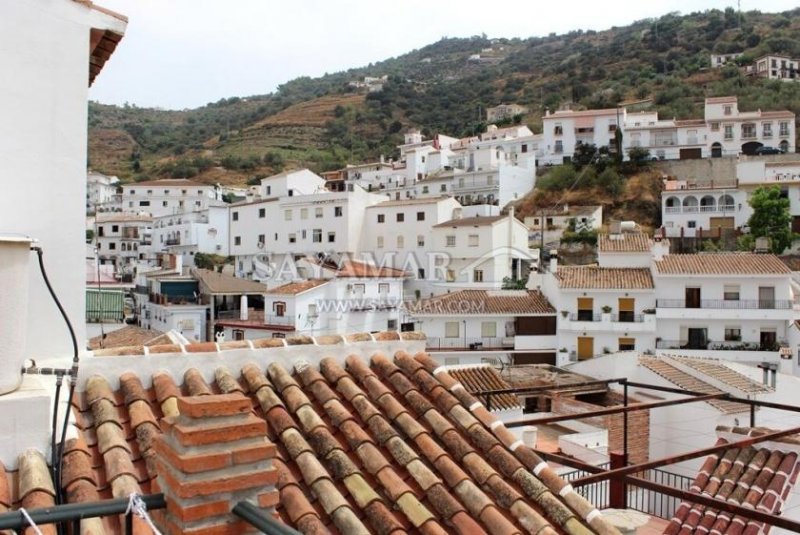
[604,278]
[562,114]
[479,302]
[356,268]
[777,114]
[720,100]
[130,335]
[688,382]
[568,211]
[169,182]
[756,477]
[471,221]
[626,242]
[719,371]
[721,264]
[388,446]
[220,283]
[294,288]
[108,217]
[29,487]
[486,378]
[404,202]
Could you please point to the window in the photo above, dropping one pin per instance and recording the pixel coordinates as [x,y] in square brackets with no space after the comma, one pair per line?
[337,211]
[477,275]
[748,130]
[304,234]
[316,235]
[279,307]
[401,217]
[691,224]
[318,213]
[443,187]
[420,216]
[262,238]
[380,242]
[287,215]
[715,127]
[488,329]
[164,203]
[238,334]
[731,293]
[112,245]
[133,192]
[728,131]
[383,288]
[627,344]
[421,273]
[197,203]
[472,240]
[558,130]
[114,228]
[144,203]
[559,146]
[279,335]
[424,189]
[237,240]
[451,329]
[727,110]
[420,241]
[262,213]
[359,289]
[269,190]
[291,193]
[391,325]
[235,215]
[450,241]
[331,237]
[767,129]
[401,242]
[490,180]
[733,334]
[312,310]
[293,238]
[381,218]
[183,192]
[303,213]
[784,129]
[451,275]
[149,192]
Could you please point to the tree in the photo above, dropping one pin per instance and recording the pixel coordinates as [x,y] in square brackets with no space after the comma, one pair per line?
[771,217]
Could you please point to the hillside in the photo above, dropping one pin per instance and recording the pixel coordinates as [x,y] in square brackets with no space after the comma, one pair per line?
[322,123]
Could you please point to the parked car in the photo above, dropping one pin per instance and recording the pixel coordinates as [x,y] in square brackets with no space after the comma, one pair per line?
[761,151]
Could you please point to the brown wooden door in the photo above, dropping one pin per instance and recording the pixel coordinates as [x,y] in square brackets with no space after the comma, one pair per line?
[692,297]
[626,307]
[585,347]
[721,222]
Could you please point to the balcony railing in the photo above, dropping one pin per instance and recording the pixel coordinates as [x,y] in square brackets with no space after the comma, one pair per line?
[743,304]
[172,241]
[693,209]
[616,318]
[466,344]
[716,345]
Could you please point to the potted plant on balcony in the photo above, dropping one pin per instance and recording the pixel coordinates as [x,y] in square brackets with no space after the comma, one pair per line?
[606,312]
[564,314]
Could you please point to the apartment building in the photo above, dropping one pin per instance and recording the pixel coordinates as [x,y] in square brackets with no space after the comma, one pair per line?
[168,196]
[666,139]
[776,67]
[733,306]
[122,238]
[478,326]
[102,193]
[732,132]
[201,231]
[564,129]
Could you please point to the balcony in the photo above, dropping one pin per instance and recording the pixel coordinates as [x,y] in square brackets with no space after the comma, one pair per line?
[742,304]
[172,241]
[614,323]
[464,343]
[710,345]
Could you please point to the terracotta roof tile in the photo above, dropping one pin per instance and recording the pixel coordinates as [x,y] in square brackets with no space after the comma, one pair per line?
[601,278]
[486,378]
[366,447]
[721,264]
[750,477]
[626,242]
[483,302]
[294,288]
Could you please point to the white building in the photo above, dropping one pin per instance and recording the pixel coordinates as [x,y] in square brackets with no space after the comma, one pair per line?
[733,306]
[295,216]
[173,304]
[51,52]
[102,193]
[504,111]
[476,326]
[123,238]
[328,299]
[732,132]
[564,129]
[169,196]
[202,231]
[786,175]
[665,139]
[548,226]
[719,60]
[689,208]
[776,67]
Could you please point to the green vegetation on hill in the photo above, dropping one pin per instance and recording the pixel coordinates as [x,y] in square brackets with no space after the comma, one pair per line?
[321,123]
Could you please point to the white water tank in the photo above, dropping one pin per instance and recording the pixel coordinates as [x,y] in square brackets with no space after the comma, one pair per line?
[15,253]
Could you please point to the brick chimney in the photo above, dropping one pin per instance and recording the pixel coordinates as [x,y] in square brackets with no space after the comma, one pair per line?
[210,457]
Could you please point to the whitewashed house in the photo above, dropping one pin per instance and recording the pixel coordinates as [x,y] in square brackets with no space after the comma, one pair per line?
[170,301]
[504,111]
[201,231]
[548,226]
[122,239]
[720,60]
[688,208]
[102,193]
[479,326]
[776,67]
[564,129]
[731,132]
[733,306]
[169,196]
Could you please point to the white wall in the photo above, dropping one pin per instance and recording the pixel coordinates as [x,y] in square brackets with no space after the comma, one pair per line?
[44,53]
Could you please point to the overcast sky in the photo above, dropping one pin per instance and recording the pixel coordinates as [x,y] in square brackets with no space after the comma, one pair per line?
[185,53]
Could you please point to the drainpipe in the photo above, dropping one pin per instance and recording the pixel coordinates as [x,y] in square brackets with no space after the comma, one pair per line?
[15,251]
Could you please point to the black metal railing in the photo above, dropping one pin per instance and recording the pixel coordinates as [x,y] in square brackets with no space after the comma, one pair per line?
[469,343]
[595,493]
[711,345]
[656,503]
[617,318]
[767,304]
[71,514]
